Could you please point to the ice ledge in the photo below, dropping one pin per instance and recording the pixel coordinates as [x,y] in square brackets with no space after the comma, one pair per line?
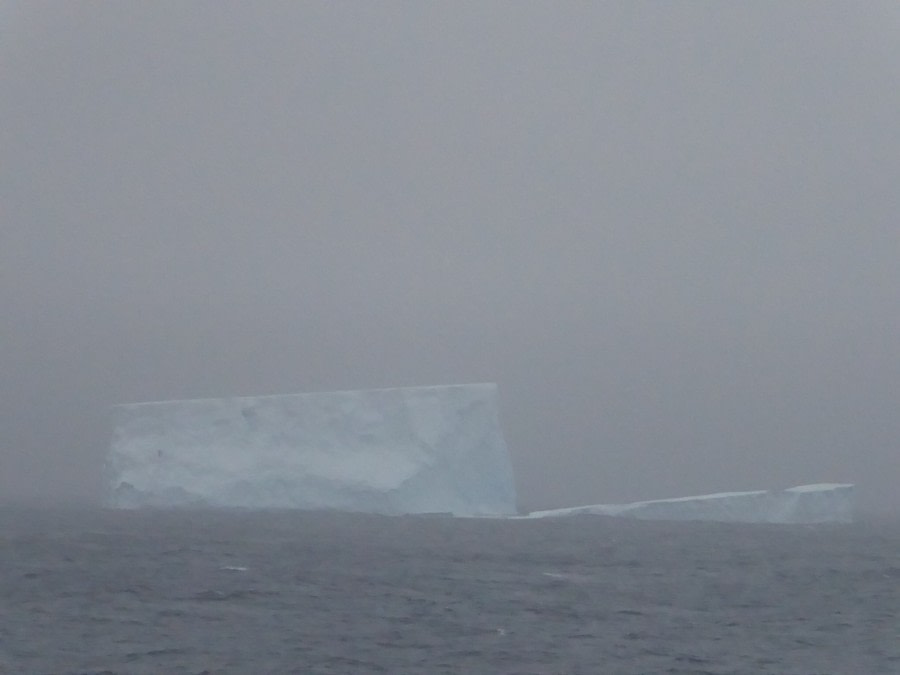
[820,503]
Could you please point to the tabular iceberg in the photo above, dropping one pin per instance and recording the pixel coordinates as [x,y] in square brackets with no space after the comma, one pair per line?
[823,503]
[393,451]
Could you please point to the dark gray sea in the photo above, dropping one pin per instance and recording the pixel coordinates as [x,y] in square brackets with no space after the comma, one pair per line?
[96,591]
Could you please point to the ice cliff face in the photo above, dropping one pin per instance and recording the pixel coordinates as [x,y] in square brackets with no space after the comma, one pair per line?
[405,450]
[803,504]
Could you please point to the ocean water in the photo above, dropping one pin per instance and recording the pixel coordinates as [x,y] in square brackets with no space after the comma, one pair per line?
[97,591]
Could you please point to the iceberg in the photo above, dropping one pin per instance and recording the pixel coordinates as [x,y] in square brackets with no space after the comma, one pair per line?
[822,503]
[410,450]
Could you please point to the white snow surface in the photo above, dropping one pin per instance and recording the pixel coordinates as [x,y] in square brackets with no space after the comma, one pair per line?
[403,450]
[821,503]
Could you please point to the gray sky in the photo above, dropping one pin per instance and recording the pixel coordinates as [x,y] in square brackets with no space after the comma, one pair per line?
[668,230]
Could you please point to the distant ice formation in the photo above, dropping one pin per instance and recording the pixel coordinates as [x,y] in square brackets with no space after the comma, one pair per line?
[823,503]
[393,451]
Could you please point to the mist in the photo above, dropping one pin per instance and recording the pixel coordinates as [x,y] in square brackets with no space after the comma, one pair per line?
[667,231]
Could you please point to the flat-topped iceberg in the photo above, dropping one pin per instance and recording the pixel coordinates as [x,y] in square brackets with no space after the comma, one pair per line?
[822,503]
[393,451]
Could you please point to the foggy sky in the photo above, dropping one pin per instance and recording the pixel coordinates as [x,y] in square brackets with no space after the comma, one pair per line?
[668,231]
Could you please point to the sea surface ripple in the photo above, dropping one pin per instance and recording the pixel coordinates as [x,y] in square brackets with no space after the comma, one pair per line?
[101,591]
